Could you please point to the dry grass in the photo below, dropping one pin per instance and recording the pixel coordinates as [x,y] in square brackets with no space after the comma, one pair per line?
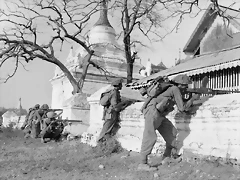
[10,132]
[106,148]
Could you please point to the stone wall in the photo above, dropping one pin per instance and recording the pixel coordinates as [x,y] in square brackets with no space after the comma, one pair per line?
[212,129]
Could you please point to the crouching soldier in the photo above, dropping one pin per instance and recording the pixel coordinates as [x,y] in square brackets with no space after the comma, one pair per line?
[155,119]
[51,127]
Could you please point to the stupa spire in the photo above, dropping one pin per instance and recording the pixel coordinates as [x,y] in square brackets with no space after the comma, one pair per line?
[103,18]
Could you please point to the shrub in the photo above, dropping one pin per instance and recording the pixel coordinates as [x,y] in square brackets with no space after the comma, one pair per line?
[108,147]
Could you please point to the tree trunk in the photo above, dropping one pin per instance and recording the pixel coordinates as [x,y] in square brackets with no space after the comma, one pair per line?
[129,72]
[77,85]
[128,58]
[70,77]
[85,65]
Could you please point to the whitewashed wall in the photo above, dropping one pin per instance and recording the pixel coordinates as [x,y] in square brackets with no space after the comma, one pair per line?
[16,121]
[212,130]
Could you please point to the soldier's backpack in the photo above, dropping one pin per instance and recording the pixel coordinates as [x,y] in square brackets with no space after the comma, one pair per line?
[156,88]
[105,98]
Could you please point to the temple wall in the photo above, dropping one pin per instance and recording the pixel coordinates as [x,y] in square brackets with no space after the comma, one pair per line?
[213,129]
[62,90]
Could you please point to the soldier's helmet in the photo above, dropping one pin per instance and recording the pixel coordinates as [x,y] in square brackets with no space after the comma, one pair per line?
[37,106]
[51,114]
[45,107]
[182,79]
[117,82]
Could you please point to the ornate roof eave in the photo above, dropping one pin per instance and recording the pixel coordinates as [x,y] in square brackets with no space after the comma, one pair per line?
[209,62]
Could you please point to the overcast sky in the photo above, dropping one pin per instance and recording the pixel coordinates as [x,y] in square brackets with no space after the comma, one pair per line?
[33,86]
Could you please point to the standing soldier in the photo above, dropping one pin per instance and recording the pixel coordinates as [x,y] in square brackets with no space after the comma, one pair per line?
[155,119]
[112,111]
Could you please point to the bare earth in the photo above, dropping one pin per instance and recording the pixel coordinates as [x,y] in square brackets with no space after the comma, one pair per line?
[24,159]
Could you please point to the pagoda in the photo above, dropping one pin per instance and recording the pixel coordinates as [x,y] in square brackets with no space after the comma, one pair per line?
[107,53]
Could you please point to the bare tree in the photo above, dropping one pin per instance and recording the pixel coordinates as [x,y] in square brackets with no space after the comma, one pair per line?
[27,23]
[147,17]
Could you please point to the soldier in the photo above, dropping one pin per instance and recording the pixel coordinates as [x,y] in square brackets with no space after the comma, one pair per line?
[111,117]
[29,115]
[51,128]
[27,126]
[37,120]
[26,118]
[155,119]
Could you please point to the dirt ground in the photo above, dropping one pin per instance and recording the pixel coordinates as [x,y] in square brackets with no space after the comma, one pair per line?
[24,159]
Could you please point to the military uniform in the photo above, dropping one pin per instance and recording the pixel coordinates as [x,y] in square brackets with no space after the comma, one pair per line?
[155,119]
[27,126]
[26,119]
[51,128]
[37,120]
[111,116]
[27,122]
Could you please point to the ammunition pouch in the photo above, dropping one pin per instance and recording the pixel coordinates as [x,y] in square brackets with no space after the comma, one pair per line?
[163,105]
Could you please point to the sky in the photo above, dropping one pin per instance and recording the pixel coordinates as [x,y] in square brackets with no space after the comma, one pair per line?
[33,86]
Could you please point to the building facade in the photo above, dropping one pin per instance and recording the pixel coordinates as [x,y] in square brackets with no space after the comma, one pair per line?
[222,67]
[108,54]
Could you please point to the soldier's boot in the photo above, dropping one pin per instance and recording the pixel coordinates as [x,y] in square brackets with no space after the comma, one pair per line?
[146,167]
[168,160]
[43,140]
[27,136]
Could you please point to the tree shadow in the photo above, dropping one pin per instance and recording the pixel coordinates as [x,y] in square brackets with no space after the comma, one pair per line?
[183,121]
[126,102]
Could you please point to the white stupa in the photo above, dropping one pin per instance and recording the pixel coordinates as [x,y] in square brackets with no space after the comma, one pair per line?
[108,55]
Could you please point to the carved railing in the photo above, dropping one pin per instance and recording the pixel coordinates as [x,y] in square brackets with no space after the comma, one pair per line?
[226,79]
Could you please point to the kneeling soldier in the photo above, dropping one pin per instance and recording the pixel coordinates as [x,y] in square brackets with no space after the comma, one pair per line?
[51,128]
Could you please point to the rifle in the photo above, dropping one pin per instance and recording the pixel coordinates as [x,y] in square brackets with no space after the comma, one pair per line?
[209,91]
[61,120]
[55,110]
[67,120]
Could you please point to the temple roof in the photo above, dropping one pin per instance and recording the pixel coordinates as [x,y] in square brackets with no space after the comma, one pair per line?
[206,22]
[201,64]
[103,18]
[162,65]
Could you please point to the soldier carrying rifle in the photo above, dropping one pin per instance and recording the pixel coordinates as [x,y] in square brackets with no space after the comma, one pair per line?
[51,128]
[161,99]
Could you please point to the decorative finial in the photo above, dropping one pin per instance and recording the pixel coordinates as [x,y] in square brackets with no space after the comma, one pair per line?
[180,52]
[103,19]
[70,55]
